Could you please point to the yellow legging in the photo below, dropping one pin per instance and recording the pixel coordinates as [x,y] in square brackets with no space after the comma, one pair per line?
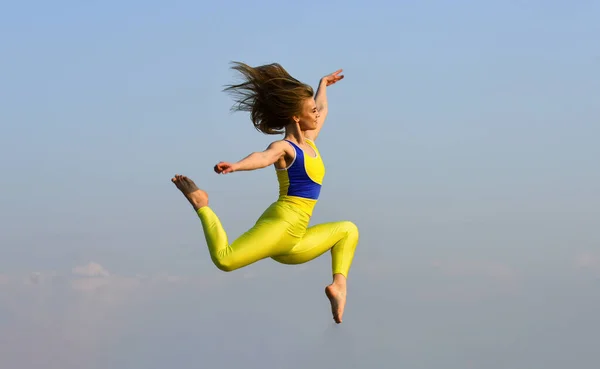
[281,233]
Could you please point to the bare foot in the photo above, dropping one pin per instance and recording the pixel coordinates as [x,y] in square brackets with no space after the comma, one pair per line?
[336,293]
[195,196]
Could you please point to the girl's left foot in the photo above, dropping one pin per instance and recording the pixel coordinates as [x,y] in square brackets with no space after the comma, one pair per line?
[336,293]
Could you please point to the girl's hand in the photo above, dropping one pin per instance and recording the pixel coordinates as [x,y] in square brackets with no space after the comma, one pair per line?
[332,78]
[224,168]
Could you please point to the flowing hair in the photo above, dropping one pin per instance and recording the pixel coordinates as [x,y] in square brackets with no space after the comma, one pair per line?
[270,94]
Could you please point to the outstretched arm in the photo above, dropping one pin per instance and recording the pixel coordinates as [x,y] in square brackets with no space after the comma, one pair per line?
[321,101]
[256,160]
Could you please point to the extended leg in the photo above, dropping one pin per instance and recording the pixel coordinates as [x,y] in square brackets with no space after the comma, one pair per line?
[266,238]
[339,237]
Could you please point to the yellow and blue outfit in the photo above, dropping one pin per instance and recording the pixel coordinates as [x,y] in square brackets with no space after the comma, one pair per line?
[282,232]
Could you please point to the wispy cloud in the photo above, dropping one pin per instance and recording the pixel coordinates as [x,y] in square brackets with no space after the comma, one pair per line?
[464,280]
[65,320]
[587,260]
[476,268]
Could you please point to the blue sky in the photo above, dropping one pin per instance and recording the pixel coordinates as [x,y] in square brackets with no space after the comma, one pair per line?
[463,143]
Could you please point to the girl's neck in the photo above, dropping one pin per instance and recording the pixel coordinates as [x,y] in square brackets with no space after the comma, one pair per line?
[294,133]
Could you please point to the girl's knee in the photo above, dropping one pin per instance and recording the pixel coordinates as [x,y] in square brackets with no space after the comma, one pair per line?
[225,264]
[351,228]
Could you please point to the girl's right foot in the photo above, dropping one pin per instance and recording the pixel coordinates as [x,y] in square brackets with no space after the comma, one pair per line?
[192,193]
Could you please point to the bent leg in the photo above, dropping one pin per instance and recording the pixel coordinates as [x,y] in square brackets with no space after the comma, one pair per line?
[271,234]
[339,237]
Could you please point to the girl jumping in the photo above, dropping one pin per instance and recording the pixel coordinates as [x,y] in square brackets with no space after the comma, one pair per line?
[280,104]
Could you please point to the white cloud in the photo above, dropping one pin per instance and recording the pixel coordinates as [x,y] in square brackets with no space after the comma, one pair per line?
[91,270]
[114,283]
